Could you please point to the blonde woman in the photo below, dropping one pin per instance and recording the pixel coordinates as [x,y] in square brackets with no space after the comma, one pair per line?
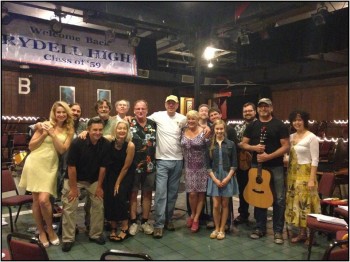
[39,174]
[222,183]
[118,181]
[194,149]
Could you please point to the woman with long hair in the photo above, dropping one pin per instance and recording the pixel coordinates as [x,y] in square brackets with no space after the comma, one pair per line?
[118,181]
[222,183]
[39,174]
[302,194]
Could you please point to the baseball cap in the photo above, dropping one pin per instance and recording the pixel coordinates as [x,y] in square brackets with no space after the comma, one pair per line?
[173,98]
[266,101]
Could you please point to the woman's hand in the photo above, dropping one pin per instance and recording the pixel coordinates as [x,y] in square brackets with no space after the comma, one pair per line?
[311,184]
[116,189]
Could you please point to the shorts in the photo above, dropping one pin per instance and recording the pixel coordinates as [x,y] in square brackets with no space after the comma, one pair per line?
[144,181]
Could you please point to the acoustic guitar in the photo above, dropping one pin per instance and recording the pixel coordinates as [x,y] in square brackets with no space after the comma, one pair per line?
[258,191]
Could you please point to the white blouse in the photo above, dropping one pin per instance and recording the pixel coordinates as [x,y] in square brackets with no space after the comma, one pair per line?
[307,149]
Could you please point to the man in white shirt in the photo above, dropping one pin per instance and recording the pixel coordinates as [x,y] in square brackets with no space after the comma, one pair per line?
[122,108]
[169,163]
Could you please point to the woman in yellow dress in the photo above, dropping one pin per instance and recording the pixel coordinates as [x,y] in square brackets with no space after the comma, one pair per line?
[302,195]
[39,174]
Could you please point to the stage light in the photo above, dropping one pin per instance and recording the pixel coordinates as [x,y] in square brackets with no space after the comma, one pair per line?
[320,17]
[5,16]
[134,40]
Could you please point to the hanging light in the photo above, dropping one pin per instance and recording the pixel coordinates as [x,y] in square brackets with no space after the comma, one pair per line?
[134,40]
[56,25]
[210,65]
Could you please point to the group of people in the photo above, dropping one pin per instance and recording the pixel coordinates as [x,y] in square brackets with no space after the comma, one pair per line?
[113,157]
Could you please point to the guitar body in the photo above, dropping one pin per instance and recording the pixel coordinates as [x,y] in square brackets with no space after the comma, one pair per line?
[258,194]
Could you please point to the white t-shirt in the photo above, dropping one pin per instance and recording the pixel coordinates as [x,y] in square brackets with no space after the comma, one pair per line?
[168,135]
[307,149]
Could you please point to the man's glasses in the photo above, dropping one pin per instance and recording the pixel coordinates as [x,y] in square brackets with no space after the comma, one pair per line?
[248,111]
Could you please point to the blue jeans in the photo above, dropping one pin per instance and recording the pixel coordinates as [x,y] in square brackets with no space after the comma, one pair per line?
[279,203]
[167,187]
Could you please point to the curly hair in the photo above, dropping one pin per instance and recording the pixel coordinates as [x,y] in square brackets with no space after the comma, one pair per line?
[305,116]
[68,124]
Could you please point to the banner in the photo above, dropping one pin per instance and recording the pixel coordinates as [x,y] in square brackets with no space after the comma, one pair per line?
[35,43]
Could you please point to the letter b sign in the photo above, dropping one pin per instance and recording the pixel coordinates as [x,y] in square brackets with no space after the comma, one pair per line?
[23,85]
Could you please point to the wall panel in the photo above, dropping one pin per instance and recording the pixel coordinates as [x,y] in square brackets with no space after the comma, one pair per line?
[324,100]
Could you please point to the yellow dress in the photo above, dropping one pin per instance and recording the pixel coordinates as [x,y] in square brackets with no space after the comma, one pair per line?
[300,201]
[39,173]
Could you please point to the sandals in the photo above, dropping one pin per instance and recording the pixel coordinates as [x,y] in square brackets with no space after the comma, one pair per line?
[114,238]
[299,238]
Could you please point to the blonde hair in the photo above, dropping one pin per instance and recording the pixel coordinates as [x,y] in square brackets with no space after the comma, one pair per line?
[192,114]
[213,138]
[128,134]
[68,124]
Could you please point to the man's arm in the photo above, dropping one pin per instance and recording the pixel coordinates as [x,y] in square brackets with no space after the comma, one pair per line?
[263,157]
[72,176]
[101,176]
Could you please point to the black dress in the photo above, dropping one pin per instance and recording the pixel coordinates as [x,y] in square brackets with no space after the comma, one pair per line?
[117,207]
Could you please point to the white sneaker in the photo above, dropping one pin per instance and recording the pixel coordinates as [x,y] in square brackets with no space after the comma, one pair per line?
[134,228]
[147,228]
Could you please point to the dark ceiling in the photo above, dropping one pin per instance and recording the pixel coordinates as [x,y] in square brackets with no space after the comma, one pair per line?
[284,42]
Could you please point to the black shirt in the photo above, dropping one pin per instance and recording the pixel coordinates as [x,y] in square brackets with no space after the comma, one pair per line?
[88,158]
[274,131]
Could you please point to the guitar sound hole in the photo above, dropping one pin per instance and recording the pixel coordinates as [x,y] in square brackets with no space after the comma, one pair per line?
[259,180]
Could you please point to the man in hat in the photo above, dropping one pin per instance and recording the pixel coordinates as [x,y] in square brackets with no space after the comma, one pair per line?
[168,163]
[270,154]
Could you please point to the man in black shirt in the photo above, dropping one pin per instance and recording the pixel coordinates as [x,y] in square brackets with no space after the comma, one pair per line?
[87,161]
[268,139]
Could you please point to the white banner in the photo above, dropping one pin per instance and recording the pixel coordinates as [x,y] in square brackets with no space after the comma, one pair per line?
[35,43]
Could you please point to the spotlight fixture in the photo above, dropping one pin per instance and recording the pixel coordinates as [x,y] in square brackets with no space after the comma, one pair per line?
[134,40]
[244,38]
[56,25]
[109,36]
[320,17]
[5,16]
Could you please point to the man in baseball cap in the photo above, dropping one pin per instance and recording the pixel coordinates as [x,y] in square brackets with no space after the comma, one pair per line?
[172,98]
[266,101]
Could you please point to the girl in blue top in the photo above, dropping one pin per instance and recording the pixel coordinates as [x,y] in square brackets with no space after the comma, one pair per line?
[222,183]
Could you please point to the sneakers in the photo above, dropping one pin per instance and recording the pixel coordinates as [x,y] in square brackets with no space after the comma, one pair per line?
[134,228]
[257,234]
[147,228]
[170,226]
[278,238]
[158,233]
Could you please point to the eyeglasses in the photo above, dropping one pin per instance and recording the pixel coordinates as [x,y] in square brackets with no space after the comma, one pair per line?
[263,105]
[248,111]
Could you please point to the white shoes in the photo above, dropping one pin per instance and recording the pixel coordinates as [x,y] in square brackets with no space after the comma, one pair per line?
[147,228]
[134,228]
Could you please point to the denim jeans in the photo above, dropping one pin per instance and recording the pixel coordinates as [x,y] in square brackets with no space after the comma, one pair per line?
[279,202]
[167,187]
